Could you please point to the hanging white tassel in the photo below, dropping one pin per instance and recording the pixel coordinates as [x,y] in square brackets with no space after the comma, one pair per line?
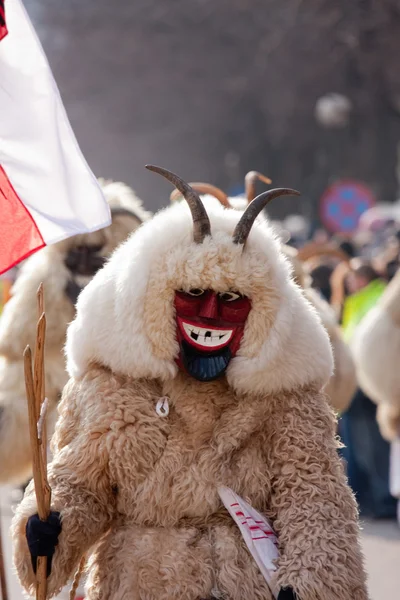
[162,407]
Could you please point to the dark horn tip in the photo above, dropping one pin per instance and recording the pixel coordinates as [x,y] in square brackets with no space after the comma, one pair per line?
[286,192]
[255,207]
[159,170]
[201,222]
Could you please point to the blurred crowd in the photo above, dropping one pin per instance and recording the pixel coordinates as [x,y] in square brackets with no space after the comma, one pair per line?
[352,272]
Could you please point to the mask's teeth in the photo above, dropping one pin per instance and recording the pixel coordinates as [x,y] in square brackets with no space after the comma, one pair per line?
[207,337]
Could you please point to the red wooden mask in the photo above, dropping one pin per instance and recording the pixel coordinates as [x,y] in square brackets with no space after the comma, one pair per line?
[210,327]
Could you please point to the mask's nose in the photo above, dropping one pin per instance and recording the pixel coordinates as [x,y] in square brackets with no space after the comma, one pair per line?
[209,307]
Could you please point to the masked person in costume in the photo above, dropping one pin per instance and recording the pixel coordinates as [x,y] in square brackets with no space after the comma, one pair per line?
[65,269]
[195,362]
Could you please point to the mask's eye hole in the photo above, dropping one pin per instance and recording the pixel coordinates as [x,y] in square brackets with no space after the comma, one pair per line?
[196,292]
[229,296]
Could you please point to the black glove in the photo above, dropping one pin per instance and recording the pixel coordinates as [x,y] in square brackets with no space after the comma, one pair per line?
[42,537]
[287,594]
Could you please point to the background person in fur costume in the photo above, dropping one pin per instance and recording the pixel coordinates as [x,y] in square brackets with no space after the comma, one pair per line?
[65,269]
[376,349]
[195,362]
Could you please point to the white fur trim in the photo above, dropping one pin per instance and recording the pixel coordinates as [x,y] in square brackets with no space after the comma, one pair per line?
[125,318]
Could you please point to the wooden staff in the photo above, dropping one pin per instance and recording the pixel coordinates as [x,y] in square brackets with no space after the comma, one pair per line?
[3,580]
[250,184]
[313,249]
[39,374]
[35,391]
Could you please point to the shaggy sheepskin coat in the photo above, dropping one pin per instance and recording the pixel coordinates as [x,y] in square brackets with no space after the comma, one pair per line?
[18,328]
[376,350]
[140,490]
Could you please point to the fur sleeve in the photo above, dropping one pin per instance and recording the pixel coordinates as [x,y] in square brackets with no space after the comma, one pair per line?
[80,483]
[314,511]
[343,383]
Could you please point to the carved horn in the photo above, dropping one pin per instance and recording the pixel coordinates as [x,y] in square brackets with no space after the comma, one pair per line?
[201,222]
[247,219]
[250,183]
[204,188]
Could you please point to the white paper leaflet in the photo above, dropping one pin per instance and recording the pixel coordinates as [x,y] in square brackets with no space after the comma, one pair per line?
[257,532]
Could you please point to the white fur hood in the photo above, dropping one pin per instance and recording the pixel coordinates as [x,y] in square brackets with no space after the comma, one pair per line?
[125,317]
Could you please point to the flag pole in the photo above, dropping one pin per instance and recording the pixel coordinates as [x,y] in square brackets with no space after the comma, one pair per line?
[37,405]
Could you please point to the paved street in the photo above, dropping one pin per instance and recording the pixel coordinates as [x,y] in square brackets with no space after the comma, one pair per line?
[381,545]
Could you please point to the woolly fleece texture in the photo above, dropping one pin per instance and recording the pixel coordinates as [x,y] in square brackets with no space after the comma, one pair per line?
[141,491]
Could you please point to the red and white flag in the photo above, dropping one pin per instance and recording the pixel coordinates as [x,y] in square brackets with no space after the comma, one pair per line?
[47,190]
[3,28]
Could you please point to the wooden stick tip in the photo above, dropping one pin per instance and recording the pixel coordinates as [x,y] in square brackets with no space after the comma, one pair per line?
[40,298]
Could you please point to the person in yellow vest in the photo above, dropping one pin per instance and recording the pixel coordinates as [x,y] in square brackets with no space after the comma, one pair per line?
[366,452]
[365,287]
